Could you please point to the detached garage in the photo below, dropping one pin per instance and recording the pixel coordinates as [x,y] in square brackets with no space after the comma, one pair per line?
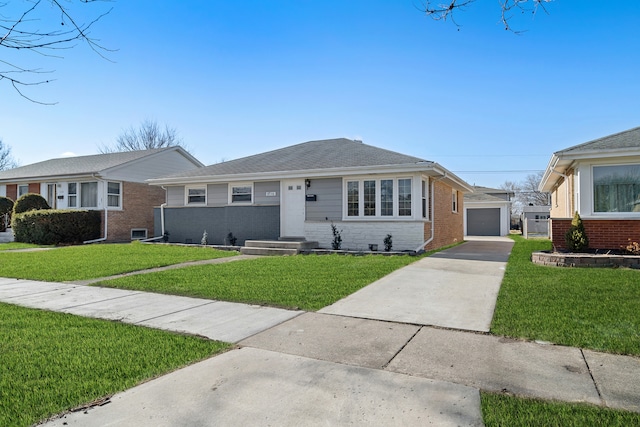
[487,212]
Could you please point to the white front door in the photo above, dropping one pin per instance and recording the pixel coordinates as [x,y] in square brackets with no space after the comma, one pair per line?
[292,212]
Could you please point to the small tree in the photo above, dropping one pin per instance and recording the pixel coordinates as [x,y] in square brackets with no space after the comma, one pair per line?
[576,238]
[388,243]
[336,243]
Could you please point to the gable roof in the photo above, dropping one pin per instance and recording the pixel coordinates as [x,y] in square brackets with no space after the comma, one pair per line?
[628,139]
[322,154]
[483,197]
[329,157]
[82,165]
[625,143]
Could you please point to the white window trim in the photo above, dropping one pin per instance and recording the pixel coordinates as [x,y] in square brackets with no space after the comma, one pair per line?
[106,190]
[378,217]
[195,187]
[454,201]
[18,190]
[592,195]
[240,184]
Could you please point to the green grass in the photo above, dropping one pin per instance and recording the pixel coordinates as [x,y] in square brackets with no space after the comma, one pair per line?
[101,260]
[500,410]
[594,308]
[307,282]
[52,362]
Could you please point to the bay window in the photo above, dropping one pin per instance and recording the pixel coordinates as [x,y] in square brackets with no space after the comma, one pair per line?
[379,198]
[616,188]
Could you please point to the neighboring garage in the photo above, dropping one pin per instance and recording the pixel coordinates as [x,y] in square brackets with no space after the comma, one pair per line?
[487,212]
[483,222]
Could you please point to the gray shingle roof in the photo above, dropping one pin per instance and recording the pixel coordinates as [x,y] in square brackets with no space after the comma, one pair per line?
[312,155]
[80,165]
[618,141]
[482,197]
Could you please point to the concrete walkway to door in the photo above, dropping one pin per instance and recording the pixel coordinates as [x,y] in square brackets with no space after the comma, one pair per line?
[456,288]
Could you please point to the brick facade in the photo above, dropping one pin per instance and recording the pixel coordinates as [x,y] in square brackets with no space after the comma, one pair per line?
[138,201]
[449,225]
[602,234]
[12,191]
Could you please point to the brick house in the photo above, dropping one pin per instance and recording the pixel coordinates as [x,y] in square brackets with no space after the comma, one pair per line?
[600,180]
[298,191]
[113,183]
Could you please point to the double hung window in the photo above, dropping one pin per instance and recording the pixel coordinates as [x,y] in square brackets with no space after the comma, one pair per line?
[241,194]
[196,196]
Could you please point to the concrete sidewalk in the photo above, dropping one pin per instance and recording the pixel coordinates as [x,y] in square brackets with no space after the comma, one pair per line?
[216,320]
[349,363]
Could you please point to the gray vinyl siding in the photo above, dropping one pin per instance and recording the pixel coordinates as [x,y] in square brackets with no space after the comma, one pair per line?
[260,190]
[175,196]
[187,224]
[328,206]
[217,194]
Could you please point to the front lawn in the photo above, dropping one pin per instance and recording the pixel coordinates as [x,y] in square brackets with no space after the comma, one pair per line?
[500,410]
[98,260]
[307,282]
[52,362]
[594,308]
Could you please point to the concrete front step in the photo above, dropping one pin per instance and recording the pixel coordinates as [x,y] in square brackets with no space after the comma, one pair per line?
[267,251]
[280,244]
[276,247]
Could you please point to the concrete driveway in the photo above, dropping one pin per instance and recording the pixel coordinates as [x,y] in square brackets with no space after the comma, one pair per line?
[456,288]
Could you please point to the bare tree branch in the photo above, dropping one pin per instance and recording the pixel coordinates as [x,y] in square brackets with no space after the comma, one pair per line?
[447,11]
[45,31]
[148,136]
[6,159]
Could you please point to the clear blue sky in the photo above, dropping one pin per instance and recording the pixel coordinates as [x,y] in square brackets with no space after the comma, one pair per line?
[243,77]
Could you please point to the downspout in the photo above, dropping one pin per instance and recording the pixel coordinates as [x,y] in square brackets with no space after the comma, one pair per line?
[162,206]
[106,221]
[433,213]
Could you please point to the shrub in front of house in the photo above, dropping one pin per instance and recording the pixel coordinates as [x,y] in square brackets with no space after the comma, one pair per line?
[30,202]
[576,238]
[53,227]
[6,206]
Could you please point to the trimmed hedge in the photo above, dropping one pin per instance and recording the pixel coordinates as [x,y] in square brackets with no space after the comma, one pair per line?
[29,202]
[6,205]
[52,227]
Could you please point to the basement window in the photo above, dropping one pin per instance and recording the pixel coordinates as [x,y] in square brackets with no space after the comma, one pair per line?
[138,233]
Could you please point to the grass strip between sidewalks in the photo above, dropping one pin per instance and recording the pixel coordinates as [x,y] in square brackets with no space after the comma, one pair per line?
[307,282]
[98,260]
[595,308]
[52,362]
[500,410]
